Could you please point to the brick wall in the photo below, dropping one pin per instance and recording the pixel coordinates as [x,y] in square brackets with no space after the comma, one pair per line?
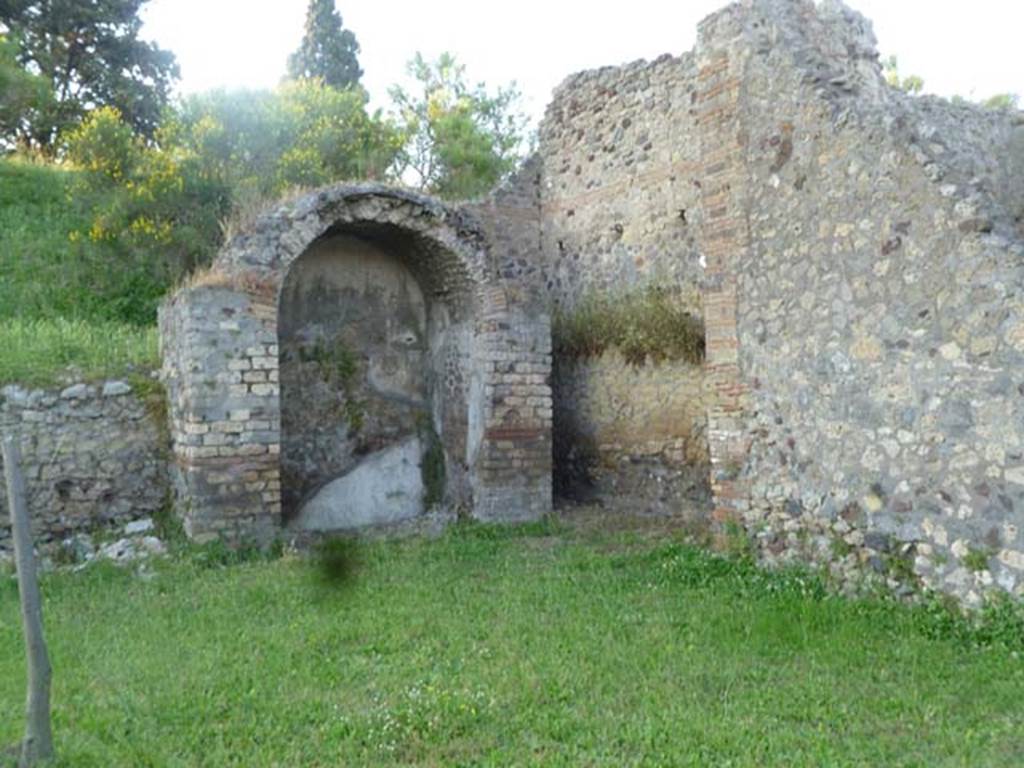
[222,362]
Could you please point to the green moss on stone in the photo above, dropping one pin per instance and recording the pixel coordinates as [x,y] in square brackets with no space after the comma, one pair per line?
[339,367]
[432,466]
[976,559]
[154,399]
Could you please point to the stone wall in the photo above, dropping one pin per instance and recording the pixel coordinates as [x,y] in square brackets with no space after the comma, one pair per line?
[855,255]
[876,309]
[354,358]
[220,368]
[476,359]
[619,212]
[514,345]
[633,433]
[93,455]
[509,218]
[858,255]
[618,185]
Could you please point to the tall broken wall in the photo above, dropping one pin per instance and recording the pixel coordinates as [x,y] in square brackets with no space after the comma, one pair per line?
[866,272]
[617,162]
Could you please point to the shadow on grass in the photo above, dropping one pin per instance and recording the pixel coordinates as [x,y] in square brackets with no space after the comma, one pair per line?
[336,561]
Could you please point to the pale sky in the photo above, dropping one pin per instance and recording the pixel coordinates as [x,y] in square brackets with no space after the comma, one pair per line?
[959,47]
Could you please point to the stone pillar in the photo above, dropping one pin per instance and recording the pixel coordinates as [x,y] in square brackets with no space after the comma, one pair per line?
[221,372]
[513,469]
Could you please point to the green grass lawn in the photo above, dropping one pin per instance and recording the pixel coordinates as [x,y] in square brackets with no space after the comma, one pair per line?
[46,352]
[530,646]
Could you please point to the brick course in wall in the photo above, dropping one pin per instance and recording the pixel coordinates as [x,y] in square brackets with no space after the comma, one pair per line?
[724,240]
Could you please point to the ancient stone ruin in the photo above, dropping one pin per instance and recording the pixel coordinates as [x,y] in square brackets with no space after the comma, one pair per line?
[353,359]
[363,355]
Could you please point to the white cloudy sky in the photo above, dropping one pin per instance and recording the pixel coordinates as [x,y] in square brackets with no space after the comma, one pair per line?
[959,47]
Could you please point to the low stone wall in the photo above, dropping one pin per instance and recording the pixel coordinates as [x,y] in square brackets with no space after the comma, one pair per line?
[92,456]
[637,433]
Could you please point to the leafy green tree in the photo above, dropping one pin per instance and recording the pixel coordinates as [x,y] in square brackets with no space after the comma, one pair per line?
[160,207]
[333,137]
[21,92]
[152,207]
[460,140]
[1001,101]
[301,135]
[91,55]
[328,52]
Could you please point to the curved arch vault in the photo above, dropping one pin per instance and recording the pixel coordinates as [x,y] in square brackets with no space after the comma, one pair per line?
[352,359]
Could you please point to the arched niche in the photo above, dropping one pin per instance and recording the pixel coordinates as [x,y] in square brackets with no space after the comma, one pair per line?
[375,356]
[388,294]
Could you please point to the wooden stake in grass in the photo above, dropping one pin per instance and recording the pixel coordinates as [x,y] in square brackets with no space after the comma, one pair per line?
[38,743]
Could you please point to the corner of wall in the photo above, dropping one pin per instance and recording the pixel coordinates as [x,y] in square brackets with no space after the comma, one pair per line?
[725,240]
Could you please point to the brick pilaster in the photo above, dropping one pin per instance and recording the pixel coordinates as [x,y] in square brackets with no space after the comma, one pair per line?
[725,241]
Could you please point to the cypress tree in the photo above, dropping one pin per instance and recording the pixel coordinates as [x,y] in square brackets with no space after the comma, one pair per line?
[328,50]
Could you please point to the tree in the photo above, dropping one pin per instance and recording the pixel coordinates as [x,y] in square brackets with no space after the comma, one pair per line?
[460,140]
[1001,101]
[911,83]
[152,207]
[161,207]
[91,56]
[22,92]
[328,51]
[304,133]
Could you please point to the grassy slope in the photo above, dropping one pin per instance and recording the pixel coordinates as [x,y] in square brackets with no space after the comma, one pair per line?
[52,301]
[492,648]
[35,220]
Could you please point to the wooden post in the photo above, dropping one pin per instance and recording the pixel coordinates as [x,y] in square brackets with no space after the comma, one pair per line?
[38,743]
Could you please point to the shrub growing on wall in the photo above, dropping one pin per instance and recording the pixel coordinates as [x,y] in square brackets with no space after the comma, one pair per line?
[650,323]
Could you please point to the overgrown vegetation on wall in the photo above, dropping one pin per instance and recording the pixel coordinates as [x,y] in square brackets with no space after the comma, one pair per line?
[651,323]
[432,467]
[339,368]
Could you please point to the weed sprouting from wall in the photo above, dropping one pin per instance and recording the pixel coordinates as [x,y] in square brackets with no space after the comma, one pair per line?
[976,560]
[339,367]
[154,399]
[432,466]
[651,323]
[169,527]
